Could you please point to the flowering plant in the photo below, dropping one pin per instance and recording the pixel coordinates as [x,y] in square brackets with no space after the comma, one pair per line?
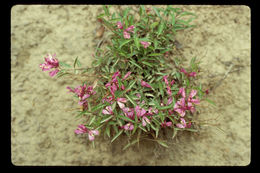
[139,89]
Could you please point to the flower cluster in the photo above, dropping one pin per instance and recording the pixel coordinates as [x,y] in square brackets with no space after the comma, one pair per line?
[50,63]
[135,90]
[82,93]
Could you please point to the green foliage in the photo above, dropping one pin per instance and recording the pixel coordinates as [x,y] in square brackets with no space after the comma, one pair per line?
[158,28]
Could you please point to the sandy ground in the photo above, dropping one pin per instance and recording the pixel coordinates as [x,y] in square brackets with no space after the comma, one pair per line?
[42,128]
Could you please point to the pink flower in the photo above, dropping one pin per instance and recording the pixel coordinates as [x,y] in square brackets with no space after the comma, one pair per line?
[107,110]
[145,120]
[184,71]
[121,101]
[119,25]
[139,111]
[145,44]
[172,82]
[129,112]
[130,29]
[83,93]
[166,124]
[81,129]
[191,100]
[165,79]
[54,72]
[144,84]
[192,74]
[50,63]
[169,101]
[128,126]
[108,99]
[151,111]
[92,133]
[126,35]
[182,92]
[180,107]
[182,124]
[127,75]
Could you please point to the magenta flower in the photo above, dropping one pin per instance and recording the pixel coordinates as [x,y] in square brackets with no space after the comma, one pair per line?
[126,35]
[165,79]
[83,93]
[145,120]
[92,133]
[191,100]
[107,110]
[130,29]
[139,111]
[182,124]
[152,111]
[81,129]
[172,82]
[144,84]
[108,99]
[50,63]
[182,92]
[121,101]
[192,74]
[166,124]
[145,44]
[180,107]
[169,101]
[128,126]
[119,25]
[127,75]
[129,112]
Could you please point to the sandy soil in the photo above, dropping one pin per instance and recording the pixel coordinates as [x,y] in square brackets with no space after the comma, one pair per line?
[42,127]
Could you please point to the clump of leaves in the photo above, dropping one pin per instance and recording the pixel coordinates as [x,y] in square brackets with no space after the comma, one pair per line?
[139,88]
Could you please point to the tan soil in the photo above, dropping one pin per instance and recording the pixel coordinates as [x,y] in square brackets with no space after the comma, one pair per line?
[43,131]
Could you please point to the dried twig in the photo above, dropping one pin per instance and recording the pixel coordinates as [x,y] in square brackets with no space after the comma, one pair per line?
[222,79]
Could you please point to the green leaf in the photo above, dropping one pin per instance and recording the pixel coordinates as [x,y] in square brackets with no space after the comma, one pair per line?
[130,99]
[64,64]
[175,130]
[125,118]
[155,54]
[106,118]
[105,8]
[142,10]
[192,130]
[130,85]
[210,101]
[92,120]
[157,12]
[160,28]
[131,143]
[126,12]
[153,25]
[161,89]
[117,135]
[137,44]
[107,131]
[162,143]
[99,106]
[173,18]
[132,62]
[147,63]
[124,42]
[141,127]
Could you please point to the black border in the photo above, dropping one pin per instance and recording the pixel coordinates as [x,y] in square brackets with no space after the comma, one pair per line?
[248,3]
